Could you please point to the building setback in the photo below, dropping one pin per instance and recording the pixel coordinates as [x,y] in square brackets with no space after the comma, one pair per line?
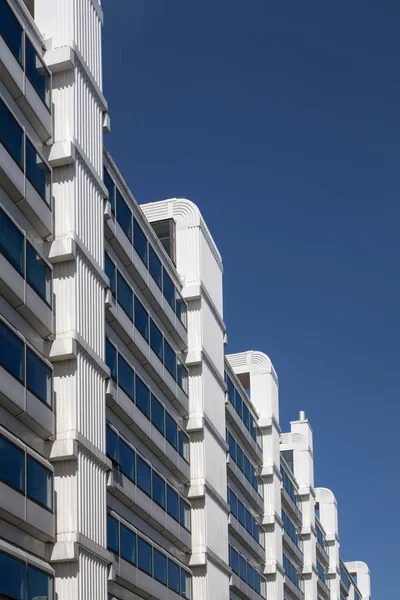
[137,459]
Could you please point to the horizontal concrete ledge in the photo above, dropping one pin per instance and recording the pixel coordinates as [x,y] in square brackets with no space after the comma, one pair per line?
[61,154]
[63,349]
[67,546]
[62,250]
[60,59]
[66,447]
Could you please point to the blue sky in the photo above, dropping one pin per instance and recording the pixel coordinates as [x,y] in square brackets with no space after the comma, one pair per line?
[281,120]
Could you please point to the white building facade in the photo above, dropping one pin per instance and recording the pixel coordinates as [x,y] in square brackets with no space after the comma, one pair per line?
[136,459]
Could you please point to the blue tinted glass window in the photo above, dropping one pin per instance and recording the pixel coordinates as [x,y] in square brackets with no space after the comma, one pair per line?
[37,73]
[231,390]
[125,377]
[109,268]
[250,575]
[11,240]
[156,340]
[139,241]
[234,560]
[38,274]
[11,134]
[241,513]
[37,172]
[182,375]
[12,577]
[143,475]
[40,584]
[145,556]
[246,416]
[233,503]
[231,446]
[111,359]
[239,457]
[249,522]
[11,30]
[158,490]
[112,445]
[181,310]
[12,352]
[141,319]
[124,215]
[155,267]
[238,403]
[112,534]
[127,460]
[108,182]
[157,414]
[246,467]
[171,429]
[142,397]
[38,377]
[168,289]
[128,544]
[186,584]
[160,566]
[12,464]
[257,582]
[183,445]
[242,568]
[39,483]
[184,514]
[174,576]
[172,503]
[169,359]
[125,295]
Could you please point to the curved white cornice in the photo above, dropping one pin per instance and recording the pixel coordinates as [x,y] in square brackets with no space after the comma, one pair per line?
[325,496]
[357,566]
[257,362]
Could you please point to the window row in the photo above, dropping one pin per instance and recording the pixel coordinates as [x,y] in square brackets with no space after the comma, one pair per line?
[245,518]
[240,458]
[321,572]
[291,572]
[288,485]
[140,472]
[23,50]
[320,536]
[21,149]
[245,571]
[22,581]
[148,558]
[25,365]
[144,249]
[290,528]
[24,258]
[240,405]
[344,576]
[22,472]
[137,313]
[126,378]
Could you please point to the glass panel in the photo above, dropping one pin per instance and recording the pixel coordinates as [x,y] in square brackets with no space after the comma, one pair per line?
[142,397]
[109,268]
[157,414]
[171,430]
[37,172]
[257,582]
[181,309]
[160,566]
[125,295]
[231,446]
[108,182]
[124,215]
[126,377]
[250,575]
[11,240]
[158,490]
[145,556]
[37,73]
[247,468]
[156,340]
[155,267]
[169,359]
[168,289]
[231,390]
[38,377]
[183,445]
[111,359]
[173,576]
[241,513]
[239,457]
[11,30]
[141,319]
[186,584]
[12,464]
[249,523]
[12,577]
[38,274]
[143,476]
[181,375]
[128,544]
[139,241]
[234,560]
[238,403]
[40,584]
[39,483]
[242,568]
[172,503]
[11,135]
[184,514]
[112,534]
[12,353]
[127,456]
[246,416]
[112,445]
[233,503]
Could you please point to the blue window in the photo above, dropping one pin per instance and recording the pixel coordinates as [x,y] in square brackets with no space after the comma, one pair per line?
[234,560]
[171,430]
[12,577]
[139,241]
[37,72]
[168,289]
[155,267]
[174,576]
[246,416]
[233,503]
[241,513]
[111,359]
[249,522]
[160,566]
[12,464]
[184,514]
[112,445]
[128,544]
[108,182]
[172,503]
[231,390]
[38,377]
[156,340]
[239,457]
[321,571]
[11,240]
[231,446]
[124,215]
[250,575]
[126,377]
[182,375]
[141,319]
[257,582]
[40,584]
[112,534]
[109,268]
[186,584]
[159,490]
[39,483]
[181,310]
[142,397]
[239,404]
[38,274]
[246,468]
[242,568]
[11,30]
[11,135]
[127,460]
[37,171]
[145,556]
[169,359]
[183,445]
[143,476]
[125,295]
[12,353]
[157,414]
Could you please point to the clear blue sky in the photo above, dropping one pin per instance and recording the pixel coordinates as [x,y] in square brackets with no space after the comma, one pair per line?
[281,120]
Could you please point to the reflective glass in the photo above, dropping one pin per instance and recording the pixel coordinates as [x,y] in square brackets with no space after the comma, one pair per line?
[11,240]
[155,267]
[158,489]
[171,429]
[125,296]
[257,582]
[12,464]
[183,445]
[172,503]
[238,404]
[143,475]
[231,446]
[168,289]
[112,534]
[181,310]
[38,274]
[249,522]
[184,514]
[157,414]
[12,577]
[109,268]
[40,584]
[246,468]
[173,576]
[182,375]
[126,377]
[111,359]
[37,172]
[11,135]
[246,416]
[38,377]
[108,182]
[12,351]
[127,460]
[250,575]
[112,445]
[124,215]
[142,397]
[36,72]
[169,359]
[156,340]
[234,560]
[128,544]
[186,584]
[145,556]
[160,566]
[233,503]
[11,30]
[141,319]
[239,457]
[139,241]
[241,513]
[39,483]
[242,568]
